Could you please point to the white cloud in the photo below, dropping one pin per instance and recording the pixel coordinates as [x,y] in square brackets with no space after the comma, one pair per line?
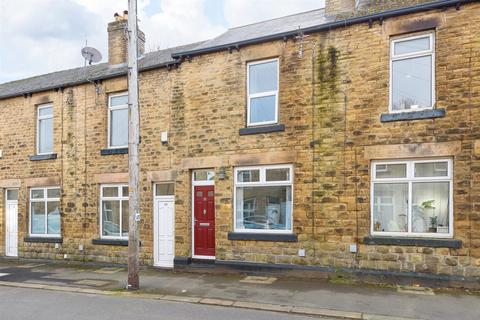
[179,22]
[243,12]
[42,36]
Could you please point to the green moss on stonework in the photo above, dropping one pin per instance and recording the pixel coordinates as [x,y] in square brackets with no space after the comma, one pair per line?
[332,68]
[327,75]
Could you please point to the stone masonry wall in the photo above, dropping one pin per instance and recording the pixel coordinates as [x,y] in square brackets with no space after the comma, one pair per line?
[358,67]
[331,99]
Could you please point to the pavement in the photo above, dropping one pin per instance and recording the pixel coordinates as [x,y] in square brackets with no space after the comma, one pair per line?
[253,291]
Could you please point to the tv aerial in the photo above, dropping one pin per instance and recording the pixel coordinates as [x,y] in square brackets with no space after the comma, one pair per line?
[91,55]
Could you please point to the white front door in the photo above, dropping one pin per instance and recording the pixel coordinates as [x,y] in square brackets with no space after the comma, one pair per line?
[11,213]
[164,232]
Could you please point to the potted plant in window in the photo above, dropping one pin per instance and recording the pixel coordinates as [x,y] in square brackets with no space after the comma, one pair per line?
[426,206]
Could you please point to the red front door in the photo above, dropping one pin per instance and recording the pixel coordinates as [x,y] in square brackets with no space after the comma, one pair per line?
[204,223]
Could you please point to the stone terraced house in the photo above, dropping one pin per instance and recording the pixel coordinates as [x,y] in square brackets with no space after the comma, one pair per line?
[346,137]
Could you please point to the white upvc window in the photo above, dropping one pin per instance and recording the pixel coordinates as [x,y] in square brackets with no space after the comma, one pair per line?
[412,198]
[114,211]
[118,121]
[45,129]
[45,212]
[412,73]
[263,199]
[262,89]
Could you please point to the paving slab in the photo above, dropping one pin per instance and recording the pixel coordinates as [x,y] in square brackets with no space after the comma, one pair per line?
[91,282]
[258,280]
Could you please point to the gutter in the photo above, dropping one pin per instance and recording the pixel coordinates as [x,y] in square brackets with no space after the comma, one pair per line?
[326,27]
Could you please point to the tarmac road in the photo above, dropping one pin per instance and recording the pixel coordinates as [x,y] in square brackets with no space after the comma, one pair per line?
[32,304]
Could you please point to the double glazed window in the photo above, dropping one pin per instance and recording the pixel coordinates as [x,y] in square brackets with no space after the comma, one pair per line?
[262,92]
[412,198]
[263,199]
[45,211]
[114,211]
[412,73]
[118,121]
[45,129]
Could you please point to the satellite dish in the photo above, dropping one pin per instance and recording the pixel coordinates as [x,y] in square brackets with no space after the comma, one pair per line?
[91,55]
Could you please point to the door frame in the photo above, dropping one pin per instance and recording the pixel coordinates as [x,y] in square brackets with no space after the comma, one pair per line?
[7,218]
[193,185]
[155,231]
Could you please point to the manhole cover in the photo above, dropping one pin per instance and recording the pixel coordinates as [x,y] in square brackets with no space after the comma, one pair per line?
[108,270]
[258,280]
[92,283]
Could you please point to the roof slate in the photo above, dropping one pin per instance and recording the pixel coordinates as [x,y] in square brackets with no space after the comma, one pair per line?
[268,28]
[253,33]
[79,75]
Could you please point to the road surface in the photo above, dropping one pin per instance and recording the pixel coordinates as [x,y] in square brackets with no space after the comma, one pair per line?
[23,304]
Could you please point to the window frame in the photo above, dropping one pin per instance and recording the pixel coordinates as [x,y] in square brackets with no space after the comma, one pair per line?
[155,188]
[263,183]
[110,109]
[418,54]
[119,198]
[39,119]
[44,200]
[262,94]
[410,179]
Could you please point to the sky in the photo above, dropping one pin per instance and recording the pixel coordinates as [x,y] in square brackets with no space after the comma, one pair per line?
[42,36]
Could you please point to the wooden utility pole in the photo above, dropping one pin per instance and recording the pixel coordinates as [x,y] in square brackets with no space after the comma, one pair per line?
[133,143]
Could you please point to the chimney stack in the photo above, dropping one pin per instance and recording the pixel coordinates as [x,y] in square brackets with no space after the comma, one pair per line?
[340,7]
[118,42]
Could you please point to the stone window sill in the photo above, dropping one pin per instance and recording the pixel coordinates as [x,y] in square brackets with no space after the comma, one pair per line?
[110,242]
[42,240]
[262,129]
[415,115]
[41,157]
[416,242]
[276,237]
[110,152]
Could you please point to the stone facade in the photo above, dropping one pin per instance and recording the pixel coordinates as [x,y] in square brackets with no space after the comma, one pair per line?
[331,100]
